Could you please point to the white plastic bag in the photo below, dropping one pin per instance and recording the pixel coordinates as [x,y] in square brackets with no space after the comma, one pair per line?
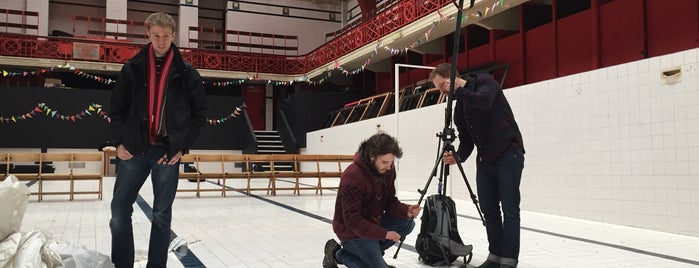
[30,250]
[78,256]
[179,246]
[13,197]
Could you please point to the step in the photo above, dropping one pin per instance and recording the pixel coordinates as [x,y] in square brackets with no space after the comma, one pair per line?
[270,146]
[271,151]
[274,137]
[269,142]
[266,132]
[278,167]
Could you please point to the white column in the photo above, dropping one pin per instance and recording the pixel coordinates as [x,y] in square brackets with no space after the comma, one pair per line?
[189,16]
[231,8]
[42,21]
[116,10]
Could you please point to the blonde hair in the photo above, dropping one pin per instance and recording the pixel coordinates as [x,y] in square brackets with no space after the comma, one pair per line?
[160,19]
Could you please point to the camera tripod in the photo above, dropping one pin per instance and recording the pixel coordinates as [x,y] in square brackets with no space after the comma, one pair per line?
[447,136]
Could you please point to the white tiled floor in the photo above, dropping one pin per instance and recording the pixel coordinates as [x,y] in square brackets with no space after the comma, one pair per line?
[290,231]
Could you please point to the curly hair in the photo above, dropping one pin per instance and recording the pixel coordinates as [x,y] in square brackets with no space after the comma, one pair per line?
[380,144]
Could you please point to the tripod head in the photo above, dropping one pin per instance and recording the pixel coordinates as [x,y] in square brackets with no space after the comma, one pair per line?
[448,135]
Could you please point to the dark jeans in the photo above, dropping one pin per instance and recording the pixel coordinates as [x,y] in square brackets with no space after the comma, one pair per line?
[361,252]
[498,183]
[129,180]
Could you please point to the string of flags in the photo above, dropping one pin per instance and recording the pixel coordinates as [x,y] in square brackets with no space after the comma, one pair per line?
[400,51]
[236,112]
[93,109]
[466,15]
[42,109]
[76,72]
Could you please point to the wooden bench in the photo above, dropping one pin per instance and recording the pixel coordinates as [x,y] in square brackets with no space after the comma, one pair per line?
[317,167]
[224,167]
[221,167]
[71,173]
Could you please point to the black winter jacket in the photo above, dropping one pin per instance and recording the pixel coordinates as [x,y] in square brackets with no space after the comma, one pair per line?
[185,105]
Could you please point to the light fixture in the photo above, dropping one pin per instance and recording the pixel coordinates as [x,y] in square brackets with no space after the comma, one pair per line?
[235,5]
[285,11]
[188,2]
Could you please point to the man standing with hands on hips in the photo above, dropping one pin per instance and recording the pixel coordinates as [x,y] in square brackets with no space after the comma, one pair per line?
[485,120]
[158,109]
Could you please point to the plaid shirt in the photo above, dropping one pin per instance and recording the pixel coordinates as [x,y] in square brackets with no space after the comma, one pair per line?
[484,119]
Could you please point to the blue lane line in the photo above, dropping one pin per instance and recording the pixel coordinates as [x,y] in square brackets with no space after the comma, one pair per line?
[189,260]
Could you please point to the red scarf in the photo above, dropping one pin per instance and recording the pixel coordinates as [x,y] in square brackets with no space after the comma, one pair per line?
[156,92]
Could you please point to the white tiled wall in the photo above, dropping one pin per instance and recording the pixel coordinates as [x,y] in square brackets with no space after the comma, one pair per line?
[613,145]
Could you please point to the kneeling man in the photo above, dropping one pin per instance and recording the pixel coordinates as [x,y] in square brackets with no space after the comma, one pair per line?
[369,218]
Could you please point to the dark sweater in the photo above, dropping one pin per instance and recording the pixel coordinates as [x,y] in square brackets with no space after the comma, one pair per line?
[362,199]
[484,120]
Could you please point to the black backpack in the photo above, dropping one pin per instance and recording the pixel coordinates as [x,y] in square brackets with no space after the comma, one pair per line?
[438,242]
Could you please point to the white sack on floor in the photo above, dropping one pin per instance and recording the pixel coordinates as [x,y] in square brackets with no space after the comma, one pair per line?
[13,197]
[30,250]
[36,248]
[78,256]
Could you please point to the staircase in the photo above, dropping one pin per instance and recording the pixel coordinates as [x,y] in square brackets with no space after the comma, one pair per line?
[269,142]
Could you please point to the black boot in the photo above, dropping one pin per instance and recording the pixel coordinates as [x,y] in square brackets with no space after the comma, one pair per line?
[329,260]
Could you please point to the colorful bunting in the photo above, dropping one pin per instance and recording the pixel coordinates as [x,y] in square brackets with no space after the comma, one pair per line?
[93,109]
[400,51]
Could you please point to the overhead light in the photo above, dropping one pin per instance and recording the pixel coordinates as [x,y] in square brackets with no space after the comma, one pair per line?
[236,5]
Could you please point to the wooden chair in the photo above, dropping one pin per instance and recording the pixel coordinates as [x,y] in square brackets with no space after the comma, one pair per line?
[231,172]
[205,171]
[284,174]
[260,159]
[87,176]
[186,175]
[305,161]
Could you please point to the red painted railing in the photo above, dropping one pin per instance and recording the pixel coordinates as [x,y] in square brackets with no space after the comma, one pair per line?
[389,20]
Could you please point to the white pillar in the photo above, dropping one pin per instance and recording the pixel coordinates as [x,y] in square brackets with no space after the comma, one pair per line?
[116,10]
[189,16]
[42,21]
[231,8]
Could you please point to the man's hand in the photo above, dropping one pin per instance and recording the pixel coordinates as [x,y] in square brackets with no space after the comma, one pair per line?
[413,211]
[170,161]
[123,153]
[448,158]
[393,236]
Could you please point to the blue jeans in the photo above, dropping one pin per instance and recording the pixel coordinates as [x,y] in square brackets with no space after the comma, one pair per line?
[498,183]
[129,180]
[361,252]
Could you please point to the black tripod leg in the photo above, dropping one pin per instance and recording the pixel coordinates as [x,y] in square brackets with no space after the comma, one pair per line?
[470,191]
[422,192]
